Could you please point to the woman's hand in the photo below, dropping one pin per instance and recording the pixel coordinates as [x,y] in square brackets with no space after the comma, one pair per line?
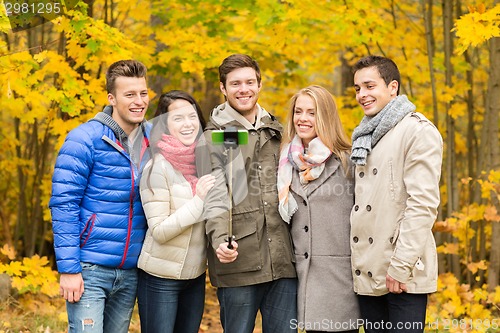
[205,183]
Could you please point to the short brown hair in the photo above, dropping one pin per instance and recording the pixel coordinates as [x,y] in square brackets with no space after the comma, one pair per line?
[387,68]
[236,61]
[127,68]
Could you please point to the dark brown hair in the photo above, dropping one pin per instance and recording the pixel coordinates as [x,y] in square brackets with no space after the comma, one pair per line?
[387,68]
[236,61]
[127,68]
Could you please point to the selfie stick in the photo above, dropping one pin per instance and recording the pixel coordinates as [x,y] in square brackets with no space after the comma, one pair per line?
[230,142]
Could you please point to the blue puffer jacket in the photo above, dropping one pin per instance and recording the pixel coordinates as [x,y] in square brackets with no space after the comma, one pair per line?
[97,215]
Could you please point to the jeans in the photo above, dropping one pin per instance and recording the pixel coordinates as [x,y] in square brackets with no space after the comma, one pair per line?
[393,313]
[107,301]
[277,301]
[350,331]
[168,306]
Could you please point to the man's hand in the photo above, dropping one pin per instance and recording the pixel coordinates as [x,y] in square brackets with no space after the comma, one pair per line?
[225,254]
[71,287]
[394,286]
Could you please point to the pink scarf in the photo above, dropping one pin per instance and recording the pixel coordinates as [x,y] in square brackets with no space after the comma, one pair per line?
[181,157]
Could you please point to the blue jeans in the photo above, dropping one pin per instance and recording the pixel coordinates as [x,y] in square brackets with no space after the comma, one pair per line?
[168,306]
[276,300]
[107,302]
[393,313]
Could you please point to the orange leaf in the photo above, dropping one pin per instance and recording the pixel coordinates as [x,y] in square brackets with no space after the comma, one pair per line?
[8,251]
[475,266]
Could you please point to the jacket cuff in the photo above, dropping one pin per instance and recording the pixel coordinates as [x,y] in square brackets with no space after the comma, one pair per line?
[400,270]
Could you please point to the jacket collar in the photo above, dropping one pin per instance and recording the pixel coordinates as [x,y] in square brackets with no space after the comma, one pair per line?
[224,116]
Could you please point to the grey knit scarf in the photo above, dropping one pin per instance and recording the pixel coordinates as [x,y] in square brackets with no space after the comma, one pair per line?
[372,129]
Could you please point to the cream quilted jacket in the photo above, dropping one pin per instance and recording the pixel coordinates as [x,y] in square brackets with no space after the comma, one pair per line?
[175,243]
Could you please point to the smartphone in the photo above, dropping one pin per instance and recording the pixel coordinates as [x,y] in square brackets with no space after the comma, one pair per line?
[230,136]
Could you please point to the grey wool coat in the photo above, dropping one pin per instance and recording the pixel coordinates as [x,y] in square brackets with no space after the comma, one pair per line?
[320,233]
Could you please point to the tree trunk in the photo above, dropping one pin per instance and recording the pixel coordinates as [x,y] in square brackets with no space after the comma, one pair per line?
[451,175]
[493,109]
[427,6]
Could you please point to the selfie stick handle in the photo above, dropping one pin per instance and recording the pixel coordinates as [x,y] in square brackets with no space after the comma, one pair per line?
[230,190]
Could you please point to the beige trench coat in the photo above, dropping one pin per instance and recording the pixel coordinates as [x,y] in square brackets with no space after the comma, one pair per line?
[396,200]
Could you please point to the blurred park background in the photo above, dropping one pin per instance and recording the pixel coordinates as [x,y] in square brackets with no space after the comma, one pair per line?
[52,68]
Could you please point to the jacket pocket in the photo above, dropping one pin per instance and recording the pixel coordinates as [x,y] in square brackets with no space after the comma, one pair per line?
[249,256]
[87,230]
[395,234]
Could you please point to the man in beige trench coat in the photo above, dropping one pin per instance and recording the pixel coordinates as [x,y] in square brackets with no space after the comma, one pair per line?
[398,154]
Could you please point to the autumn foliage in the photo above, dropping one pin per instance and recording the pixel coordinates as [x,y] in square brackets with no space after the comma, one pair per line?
[448,51]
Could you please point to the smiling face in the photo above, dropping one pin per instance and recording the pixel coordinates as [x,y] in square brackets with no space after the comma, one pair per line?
[130,102]
[304,118]
[372,93]
[183,122]
[242,91]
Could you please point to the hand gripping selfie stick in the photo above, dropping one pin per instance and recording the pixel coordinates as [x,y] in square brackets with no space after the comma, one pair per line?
[231,137]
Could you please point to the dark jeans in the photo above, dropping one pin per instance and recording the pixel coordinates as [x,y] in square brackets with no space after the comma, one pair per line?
[351,331]
[170,306]
[393,313]
[276,300]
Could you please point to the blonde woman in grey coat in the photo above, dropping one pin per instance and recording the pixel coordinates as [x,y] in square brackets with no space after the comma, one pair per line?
[315,185]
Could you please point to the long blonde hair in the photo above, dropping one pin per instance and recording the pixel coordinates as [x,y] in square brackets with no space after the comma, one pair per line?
[328,125]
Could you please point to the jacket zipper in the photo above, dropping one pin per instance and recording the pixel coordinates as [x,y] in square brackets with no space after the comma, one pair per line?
[131,198]
[130,216]
[91,220]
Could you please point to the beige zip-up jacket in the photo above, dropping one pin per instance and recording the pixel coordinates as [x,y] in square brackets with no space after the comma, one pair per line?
[175,243]
[396,200]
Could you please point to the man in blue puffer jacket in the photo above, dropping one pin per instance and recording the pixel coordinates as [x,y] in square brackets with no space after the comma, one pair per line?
[97,216]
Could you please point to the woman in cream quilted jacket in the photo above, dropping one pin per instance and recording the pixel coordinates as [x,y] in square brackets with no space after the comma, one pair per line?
[171,289]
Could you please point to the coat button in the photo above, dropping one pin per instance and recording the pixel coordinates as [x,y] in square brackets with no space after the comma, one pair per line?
[355,239]
[368,208]
[370,240]
[361,174]
[375,171]
[356,208]
[269,240]
[306,228]
[357,272]
[369,274]
[306,255]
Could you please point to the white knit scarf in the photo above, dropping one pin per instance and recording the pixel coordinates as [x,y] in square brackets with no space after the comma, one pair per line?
[310,165]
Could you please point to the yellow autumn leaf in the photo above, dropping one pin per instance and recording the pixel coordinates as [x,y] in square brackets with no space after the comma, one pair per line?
[14,268]
[40,56]
[448,248]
